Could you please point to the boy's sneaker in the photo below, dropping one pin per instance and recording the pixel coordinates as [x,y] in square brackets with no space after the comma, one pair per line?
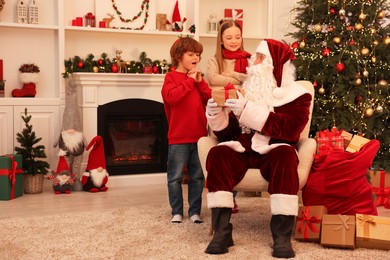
[177,218]
[196,219]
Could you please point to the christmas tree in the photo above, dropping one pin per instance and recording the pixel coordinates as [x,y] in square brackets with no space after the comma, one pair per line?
[343,47]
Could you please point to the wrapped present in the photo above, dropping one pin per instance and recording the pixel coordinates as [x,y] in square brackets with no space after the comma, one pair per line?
[328,141]
[372,232]
[308,223]
[347,138]
[356,143]
[236,15]
[11,177]
[338,231]
[381,188]
[220,95]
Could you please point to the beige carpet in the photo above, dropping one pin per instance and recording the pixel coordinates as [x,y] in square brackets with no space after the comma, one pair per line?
[145,233]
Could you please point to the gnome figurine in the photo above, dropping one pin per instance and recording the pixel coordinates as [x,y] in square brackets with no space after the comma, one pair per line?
[95,176]
[63,179]
[71,139]
[177,22]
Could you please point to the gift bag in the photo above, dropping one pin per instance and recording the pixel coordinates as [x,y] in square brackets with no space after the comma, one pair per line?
[338,181]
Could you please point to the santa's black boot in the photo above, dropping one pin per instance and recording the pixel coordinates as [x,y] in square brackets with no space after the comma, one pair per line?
[222,239]
[281,228]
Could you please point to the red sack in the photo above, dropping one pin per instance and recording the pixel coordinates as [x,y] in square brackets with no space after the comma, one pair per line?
[338,181]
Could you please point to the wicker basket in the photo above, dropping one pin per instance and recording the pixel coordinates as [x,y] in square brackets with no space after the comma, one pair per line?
[33,184]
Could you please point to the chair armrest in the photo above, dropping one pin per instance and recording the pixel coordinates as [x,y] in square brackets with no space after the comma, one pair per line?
[306,148]
[204,145]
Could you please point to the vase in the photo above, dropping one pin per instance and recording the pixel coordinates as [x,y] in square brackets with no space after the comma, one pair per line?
[33,184]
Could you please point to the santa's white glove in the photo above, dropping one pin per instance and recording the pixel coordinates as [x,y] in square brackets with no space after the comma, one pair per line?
[212,107]
[236,104]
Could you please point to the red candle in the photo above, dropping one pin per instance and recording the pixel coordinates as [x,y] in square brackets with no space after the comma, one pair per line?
[1,69]
[74,22]
[102,24]
[79,21]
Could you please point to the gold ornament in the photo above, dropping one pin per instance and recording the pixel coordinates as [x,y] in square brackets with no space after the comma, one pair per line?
[386,40]
[317,28]
[368,112]
[358,81]
[375,42]
[373,59]
[365,73]
[379,109]
[362,16]
[358,26]
[95,69]
[373,30]
[336,39]
[365,51]
[321,90]
[381,14]
[383,83]
[302,45]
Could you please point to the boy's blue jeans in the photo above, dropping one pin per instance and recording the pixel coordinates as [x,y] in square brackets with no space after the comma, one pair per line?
[178,156]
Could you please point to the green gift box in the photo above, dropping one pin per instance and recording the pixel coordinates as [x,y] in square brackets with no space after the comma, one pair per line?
[11,176]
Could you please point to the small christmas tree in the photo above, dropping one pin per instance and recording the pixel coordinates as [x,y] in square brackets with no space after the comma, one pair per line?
[29,149]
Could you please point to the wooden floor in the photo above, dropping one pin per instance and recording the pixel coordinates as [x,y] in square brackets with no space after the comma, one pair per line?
[48,203]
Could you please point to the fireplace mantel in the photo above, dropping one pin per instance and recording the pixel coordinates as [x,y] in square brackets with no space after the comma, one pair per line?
[96,89]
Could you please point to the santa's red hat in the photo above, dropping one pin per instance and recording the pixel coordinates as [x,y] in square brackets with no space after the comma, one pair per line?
[62,164]
[279,52]
[176,13]
[96,157]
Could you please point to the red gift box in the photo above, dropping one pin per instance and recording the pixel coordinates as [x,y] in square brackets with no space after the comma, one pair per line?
[308,223]
[235,14]
[382,193]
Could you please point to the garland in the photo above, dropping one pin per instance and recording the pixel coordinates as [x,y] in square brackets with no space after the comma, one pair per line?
[144,6]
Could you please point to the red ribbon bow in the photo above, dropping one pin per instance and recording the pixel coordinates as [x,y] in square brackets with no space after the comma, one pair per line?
[228,87]
[382,193]
[11,175]
[308,222]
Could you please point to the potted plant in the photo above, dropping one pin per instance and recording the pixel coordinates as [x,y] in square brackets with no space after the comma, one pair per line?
[34,169]
[29,75]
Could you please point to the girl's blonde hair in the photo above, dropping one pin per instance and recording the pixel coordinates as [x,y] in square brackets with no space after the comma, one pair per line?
[223,25]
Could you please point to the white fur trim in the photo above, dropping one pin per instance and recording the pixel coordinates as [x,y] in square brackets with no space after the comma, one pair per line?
[220,199]
[284,204]
[86,174]
[219,121]
[254,115]
[287,93]
[27,77]
[61,153]
[263,49]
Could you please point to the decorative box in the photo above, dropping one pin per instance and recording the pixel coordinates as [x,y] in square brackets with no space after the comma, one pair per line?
[308,224]
[338,231]
[356,143]
[11,177]
[221,94]
[235,14]
[380,182]
[372,232]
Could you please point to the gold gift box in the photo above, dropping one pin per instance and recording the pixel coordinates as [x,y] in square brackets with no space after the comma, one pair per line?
[356,143]
[338,231]
[372,231]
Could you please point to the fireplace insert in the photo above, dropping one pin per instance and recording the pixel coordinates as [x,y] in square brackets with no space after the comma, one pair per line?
[134,133]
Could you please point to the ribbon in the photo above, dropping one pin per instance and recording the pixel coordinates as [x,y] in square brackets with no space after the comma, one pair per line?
[308,222]
[236,15]
[11,174]
[366,220]
[228,87]
[382,193]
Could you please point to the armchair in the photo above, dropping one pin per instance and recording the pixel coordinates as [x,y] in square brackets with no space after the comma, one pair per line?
[253,180]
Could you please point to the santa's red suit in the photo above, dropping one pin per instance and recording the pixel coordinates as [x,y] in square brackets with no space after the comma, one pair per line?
[261,132]
[96,176]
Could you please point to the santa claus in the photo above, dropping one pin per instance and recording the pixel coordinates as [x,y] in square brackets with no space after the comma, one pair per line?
[96,176]
[63,179]
[260,131]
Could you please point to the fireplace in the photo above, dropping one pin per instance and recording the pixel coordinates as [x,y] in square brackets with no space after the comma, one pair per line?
[130,107]
[135,136]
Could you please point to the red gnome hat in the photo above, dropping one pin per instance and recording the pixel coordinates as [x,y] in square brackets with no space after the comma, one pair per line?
[62,165]
[96,157]
[176,18]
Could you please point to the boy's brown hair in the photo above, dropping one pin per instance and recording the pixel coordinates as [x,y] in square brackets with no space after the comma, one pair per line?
[181,46]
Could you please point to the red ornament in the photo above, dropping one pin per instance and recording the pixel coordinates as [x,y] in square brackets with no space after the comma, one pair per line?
[100,62]
[340,67]
[80,65]
[114,68]
[350,28]
[325,52]
[332,10]
[295,45]
[358,100]
[155,69]
[351,42]
[330,29]
[315,84]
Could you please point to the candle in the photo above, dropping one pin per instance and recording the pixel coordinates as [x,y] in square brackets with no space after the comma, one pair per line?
[1,69]
[79,21]
[102,24]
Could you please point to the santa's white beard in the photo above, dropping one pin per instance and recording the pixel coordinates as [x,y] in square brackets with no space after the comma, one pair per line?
[62,180]
[259,84]
[97,177]
[73,142]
